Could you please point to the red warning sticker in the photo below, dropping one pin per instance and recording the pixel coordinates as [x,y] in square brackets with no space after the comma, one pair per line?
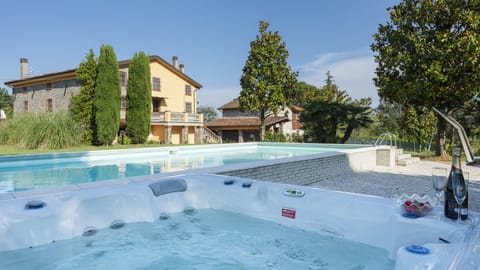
[289,213]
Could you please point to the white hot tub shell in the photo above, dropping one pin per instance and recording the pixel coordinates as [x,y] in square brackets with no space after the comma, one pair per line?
[366,219]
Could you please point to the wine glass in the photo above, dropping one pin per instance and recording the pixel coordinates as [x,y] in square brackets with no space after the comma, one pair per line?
[459,191]
[439,178]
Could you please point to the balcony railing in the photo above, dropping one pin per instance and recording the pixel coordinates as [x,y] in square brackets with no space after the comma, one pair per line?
[176,117]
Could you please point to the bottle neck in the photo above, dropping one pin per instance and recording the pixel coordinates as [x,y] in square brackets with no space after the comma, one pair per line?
[456,162]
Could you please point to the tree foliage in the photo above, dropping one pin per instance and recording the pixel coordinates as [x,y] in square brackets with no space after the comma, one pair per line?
[209,112]
[303,93]
[429,55]
[389,115]
[418,123]
[6,102]
[139,98]
[81,105]
[333,112]
[267,79]
[107,97]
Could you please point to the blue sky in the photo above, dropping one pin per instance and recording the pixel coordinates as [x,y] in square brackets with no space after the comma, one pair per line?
[211,37]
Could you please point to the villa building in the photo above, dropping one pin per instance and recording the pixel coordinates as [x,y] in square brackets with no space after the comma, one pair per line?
[174,98]
[240,126]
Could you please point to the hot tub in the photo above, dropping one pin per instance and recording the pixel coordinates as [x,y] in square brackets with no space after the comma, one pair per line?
[41,221]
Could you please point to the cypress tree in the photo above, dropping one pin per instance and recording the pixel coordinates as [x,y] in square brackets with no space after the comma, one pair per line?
[81,105]
[139,98]
[107,97]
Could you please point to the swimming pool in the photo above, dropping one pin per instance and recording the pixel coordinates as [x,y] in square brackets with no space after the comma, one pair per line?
[18,173]
[184,209]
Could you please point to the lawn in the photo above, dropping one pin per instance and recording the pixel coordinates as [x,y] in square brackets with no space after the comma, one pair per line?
[16,150]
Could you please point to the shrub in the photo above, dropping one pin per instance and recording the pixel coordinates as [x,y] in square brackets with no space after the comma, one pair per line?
[274,137]
[53,130]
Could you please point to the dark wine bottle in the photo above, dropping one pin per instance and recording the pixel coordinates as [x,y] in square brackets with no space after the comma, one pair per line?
[451,206]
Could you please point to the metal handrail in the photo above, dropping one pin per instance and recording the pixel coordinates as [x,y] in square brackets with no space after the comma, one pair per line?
[383,136]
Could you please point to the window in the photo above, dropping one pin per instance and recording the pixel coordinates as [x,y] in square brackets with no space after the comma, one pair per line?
[156,105]
[49,86]
[25,106]
[123,78]
[188,90]
[49,105]
[188,107]
[24,89]
[156,84]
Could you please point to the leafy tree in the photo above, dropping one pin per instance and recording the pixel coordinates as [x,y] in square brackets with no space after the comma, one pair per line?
[389,114]
[429,55]
[6,102]
[81,105]
[333,112]
[267,80]
[139,98]
[418,124]
[209,112]
[358,115]
[303,94]
[106,101]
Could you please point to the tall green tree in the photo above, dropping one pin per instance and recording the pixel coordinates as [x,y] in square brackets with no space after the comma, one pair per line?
[139,98]
[428,54]
[267,79]
[107,97]
[81,105]
[6,102]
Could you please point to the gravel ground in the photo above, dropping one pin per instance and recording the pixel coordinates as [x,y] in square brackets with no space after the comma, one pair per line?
[415,178]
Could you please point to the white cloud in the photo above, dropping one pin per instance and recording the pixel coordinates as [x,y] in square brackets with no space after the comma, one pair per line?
[216,97]
[352,71]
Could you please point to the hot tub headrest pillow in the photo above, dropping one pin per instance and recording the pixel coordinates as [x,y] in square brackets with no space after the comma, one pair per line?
[168,186]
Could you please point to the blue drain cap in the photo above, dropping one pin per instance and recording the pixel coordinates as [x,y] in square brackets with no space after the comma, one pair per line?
[228,182]
[32,205]
[418,249]
[247,184]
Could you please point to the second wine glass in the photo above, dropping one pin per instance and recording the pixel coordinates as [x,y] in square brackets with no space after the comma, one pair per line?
[439,179]
[460,186]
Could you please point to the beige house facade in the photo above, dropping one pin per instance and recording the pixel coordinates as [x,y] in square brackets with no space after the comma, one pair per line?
[174,98]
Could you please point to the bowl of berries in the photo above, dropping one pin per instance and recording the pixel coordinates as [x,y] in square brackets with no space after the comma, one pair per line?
[414,206]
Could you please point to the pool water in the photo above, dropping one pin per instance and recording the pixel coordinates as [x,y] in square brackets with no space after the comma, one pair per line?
[201,239]
[26,173]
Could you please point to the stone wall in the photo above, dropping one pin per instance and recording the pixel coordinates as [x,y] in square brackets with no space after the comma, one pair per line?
[301,172]
[37,96]
[307,171]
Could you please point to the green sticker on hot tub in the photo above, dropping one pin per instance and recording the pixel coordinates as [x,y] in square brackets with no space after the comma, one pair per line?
[294,193]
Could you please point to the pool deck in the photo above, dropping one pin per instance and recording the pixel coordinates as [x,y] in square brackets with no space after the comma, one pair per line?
[389,181]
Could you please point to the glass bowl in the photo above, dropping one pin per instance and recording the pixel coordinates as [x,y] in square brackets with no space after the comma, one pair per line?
[414,205]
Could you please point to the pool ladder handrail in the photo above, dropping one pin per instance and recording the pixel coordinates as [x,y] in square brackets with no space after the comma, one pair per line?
[383,136]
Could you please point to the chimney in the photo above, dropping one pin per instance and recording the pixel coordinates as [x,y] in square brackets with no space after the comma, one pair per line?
[175,62]
[182,68]
[23,68]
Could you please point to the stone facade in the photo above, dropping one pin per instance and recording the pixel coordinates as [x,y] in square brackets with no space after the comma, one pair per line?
[35,98]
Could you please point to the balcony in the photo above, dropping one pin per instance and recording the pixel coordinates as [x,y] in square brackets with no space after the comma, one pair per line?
[176,118]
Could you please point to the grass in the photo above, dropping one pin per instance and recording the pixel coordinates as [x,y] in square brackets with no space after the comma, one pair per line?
[15,150]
